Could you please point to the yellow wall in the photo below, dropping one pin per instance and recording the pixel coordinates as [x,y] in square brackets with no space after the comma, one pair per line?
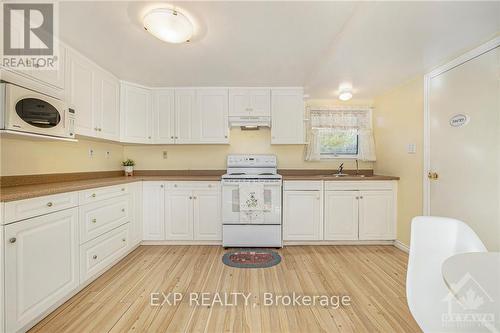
[214,156]
[398,120]
[23,156]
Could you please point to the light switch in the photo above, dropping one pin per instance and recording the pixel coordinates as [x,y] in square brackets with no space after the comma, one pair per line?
[411,148]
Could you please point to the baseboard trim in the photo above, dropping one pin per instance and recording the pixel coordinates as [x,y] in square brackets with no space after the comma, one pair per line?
[340,242]
[402,246]
[184,242]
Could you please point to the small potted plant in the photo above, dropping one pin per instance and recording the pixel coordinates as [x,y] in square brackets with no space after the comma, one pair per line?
[128,166]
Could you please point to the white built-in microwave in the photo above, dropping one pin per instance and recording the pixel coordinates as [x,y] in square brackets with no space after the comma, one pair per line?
[27,111]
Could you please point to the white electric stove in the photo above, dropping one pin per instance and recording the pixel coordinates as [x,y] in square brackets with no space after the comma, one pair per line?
[239,232]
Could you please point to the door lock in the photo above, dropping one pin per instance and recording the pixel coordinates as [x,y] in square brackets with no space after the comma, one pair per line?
[432,175]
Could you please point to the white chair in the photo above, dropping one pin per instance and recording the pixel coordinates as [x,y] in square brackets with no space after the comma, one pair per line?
[433,240]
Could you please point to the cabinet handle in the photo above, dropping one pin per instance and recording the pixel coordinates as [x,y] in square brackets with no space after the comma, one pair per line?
[93,195]
[94,257]
[49,204]
[12,240]
[94,220]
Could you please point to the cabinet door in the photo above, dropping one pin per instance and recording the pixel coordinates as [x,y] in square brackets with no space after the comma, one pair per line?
[341,215]
[376,215]
[186,120]
[135,114]
[41,265]
[260,102]
[107,110]
[207,215]
[179,214]
[163,116]
[80,81]
[302,215]
[212,105]
[136,213]
[239,102]
[52,77]
[153,196]
[287,116]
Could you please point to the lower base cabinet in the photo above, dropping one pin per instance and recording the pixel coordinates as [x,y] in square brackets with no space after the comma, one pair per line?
[182,211]
[302,215]
[102,251]
[41,265]
[341,215]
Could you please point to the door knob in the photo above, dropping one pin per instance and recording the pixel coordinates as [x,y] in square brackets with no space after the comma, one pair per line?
[432,175]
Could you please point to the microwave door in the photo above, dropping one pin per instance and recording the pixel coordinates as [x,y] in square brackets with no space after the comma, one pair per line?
[38,113]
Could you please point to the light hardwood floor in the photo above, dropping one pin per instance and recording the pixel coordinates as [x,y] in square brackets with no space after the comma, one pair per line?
[119,301]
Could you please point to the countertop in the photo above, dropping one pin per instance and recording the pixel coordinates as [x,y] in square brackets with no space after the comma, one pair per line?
[12,193]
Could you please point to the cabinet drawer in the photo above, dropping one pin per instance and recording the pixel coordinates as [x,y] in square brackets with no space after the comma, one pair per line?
[302,185]
[339,185]
[102,193]
[187,185]
[99,217]
[24,209]
[99,253]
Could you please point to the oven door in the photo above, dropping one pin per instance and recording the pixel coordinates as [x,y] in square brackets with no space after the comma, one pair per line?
[231,201]
[32,112]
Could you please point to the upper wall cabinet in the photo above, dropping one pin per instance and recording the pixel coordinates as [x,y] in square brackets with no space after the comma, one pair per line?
[287,116]
[135,114]
[250,102]
[94,94]
[212,115]
[163,116]
[186,116]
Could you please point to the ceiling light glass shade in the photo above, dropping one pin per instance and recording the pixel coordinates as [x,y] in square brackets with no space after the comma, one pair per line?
[345,95]
[168,25]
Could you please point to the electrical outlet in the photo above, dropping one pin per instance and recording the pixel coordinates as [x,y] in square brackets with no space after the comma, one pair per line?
[411,148]
[165,155]
[91,152]
[108,154]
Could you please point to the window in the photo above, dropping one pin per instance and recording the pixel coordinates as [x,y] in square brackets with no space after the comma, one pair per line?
[339,132]
[338,143]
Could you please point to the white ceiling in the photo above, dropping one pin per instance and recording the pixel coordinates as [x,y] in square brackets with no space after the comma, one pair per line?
[320,45]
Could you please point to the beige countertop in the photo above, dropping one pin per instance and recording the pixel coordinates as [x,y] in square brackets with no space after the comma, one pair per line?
[12,193]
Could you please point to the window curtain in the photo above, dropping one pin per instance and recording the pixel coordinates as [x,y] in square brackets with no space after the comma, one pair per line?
[358,119]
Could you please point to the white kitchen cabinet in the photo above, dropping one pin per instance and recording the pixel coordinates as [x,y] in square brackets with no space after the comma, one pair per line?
[287,116]
[179,215]
[341,215]
[250,102]
[135,113]
[212,116]
[163,115]
[81,92]
[207,217]
[302,215]
[55,77]
[153,198]
[376,215]
[136,216]
[94,94]
[41,265]
[186,116]
[107,105]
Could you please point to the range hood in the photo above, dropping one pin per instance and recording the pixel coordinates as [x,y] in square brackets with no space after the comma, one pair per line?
[249,122]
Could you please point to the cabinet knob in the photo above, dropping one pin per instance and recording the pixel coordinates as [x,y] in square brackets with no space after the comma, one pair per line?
[175,185]
[123,209]
[96,129]
[190,198]
[123,189]
[361,197]
[225,136]
[94,257]
[357,198]
[100,129]
[94,220]
[149,137]
[209,185]
[194,198]
[161,186]
[124,240]
[171,137]
[49,204]
[93,195]
[12,240]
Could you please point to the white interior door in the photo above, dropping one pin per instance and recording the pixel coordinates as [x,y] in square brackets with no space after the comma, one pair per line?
[466,157]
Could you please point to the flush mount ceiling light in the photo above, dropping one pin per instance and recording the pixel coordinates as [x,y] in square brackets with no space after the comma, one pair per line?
[345,95]
[168,25]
